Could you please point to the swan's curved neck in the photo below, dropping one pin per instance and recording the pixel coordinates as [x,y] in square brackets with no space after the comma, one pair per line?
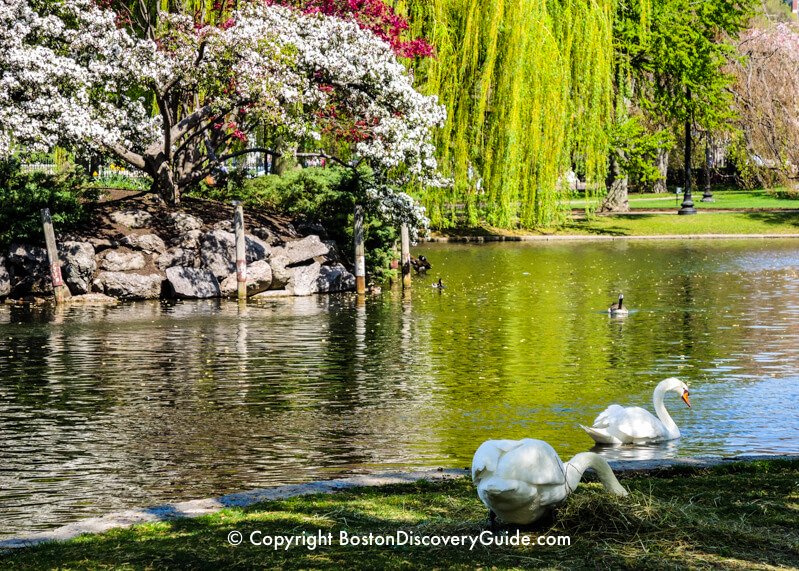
[576,467]
[663,414]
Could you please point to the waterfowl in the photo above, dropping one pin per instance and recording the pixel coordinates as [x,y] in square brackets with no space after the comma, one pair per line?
[618,308]
[521,480]
[438,284]
[420,264]
[635,425]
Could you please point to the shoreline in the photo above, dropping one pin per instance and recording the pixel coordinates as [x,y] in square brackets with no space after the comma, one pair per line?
[600,238]
[206,506]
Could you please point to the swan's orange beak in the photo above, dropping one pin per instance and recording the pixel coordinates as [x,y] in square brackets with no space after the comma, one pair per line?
[686,399]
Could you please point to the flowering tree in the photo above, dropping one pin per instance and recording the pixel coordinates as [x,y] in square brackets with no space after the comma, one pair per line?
[73,72]
[766,87]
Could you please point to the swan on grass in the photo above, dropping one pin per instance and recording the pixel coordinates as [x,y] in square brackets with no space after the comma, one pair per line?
[635,425]
[521,480]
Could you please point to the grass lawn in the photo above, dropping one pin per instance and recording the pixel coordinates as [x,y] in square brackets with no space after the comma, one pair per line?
[650,224]
[722,199]
[740,516]
[701,223]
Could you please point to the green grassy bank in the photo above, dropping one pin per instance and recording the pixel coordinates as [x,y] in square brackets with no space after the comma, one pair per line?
[656,224]
[739,516]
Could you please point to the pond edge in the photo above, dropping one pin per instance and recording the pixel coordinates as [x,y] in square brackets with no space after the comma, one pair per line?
[206,506]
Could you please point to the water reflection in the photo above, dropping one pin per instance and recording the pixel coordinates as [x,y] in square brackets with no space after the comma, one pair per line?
[108,407]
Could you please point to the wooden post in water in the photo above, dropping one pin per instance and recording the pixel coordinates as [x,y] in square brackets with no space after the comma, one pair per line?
[405,256]
[60,291]
[360,256]
[241,256]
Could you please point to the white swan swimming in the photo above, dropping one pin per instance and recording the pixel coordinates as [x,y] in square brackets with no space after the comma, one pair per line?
[521,480]
[635,425]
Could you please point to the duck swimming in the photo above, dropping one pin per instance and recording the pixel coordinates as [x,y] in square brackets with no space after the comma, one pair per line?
[420,264]
[618,308]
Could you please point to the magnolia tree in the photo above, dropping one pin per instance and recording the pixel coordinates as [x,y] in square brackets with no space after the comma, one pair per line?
[767,97]
[73,73]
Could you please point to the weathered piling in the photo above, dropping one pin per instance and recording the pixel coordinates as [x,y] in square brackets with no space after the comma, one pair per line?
[241,256]
[405,256]
[60,291]
[360,256]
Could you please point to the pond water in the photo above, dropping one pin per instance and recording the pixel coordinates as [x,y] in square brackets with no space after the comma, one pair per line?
[105,408]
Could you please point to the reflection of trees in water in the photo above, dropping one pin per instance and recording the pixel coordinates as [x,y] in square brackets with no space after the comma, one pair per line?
[147,401]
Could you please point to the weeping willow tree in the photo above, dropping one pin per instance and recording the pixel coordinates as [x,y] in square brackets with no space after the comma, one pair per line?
[528,85]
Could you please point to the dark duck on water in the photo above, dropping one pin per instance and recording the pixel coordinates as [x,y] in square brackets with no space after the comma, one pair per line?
[618,308]
[420,264]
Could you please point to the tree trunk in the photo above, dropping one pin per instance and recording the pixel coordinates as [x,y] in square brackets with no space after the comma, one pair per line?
[663,168]
[164,180]
[616,199]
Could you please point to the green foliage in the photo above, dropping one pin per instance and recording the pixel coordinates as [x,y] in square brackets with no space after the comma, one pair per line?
[682,58]
[23,195]
[528,91]
[785,193]
[638,148]
[325,196]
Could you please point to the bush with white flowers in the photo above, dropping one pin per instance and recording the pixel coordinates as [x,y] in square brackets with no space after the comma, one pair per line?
[72,75]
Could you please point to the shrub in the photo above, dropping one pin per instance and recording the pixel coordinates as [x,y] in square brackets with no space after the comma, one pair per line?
[325,196]
[23,195]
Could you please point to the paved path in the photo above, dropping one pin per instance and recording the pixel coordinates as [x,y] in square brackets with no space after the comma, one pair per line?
[196,508]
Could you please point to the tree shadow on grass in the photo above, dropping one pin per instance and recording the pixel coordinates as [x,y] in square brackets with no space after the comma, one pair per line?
[730,517]
[776,218]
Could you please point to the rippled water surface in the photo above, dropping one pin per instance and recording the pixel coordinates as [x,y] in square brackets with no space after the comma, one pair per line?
[104,408]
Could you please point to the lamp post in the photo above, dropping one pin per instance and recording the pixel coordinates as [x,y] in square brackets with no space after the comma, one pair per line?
[688,202]
[707,196]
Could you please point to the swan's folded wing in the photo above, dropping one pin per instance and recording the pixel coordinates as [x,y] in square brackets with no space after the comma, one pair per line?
[636,424]
[534,463]
[607,416]
[487,456]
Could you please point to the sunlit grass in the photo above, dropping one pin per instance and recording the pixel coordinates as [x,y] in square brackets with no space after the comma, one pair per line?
[741,516]
[721,199]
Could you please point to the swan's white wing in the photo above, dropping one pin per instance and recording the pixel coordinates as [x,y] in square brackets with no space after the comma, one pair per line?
[607,416]
[487,456]
[636,424]
[534,463]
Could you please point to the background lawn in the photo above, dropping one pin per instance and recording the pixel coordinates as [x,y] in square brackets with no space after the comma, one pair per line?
[759,198]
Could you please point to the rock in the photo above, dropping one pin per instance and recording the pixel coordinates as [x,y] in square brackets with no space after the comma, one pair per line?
[93,299]
[300,251]
[281,273]
[5,278]
[100,244]
[118,261]
[218,251]
[28,270]
[274,293]
[132,218]
[178,257]
[226,225]
[185,222]
[192,283]
[189,240]
[335,278]
[259,278]
[27,255]
[310,229]
[78,266]
[150,243]
[305,279]
[130,286]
